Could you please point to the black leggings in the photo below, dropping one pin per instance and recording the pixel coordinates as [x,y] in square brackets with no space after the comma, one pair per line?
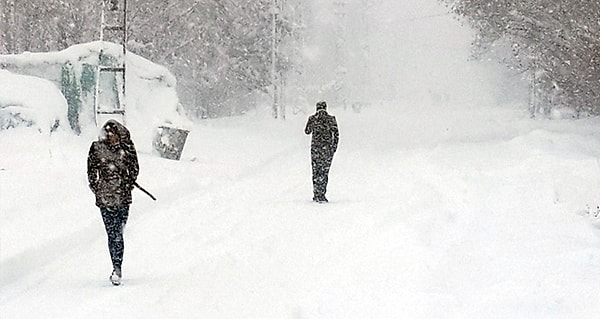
[114,222]
[320,174]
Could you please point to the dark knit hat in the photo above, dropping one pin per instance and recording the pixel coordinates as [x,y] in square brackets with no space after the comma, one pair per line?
[321,105]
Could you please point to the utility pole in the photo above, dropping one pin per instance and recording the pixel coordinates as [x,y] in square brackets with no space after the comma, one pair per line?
[296,15]
[275,11]
[340,52]
[277,79]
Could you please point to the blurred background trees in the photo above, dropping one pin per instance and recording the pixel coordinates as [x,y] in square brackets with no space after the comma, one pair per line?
[231,55]
[554,42]
[220,51]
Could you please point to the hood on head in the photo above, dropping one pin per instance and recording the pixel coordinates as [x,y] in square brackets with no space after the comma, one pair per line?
[321,105]
[116,128]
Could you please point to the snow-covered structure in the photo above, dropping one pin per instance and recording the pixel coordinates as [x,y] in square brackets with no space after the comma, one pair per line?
[151,99]
[30,101]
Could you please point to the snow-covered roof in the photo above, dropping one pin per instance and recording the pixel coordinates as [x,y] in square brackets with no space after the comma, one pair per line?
[88,53]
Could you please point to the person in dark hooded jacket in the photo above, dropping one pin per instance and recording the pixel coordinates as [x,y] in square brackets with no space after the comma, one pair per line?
[324,143]
[112,169]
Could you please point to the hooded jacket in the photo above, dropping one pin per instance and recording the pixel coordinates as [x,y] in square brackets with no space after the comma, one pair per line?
[112,169]
[325,134]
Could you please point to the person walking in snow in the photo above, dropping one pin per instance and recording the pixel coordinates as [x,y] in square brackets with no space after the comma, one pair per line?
[324,142]
[112,169]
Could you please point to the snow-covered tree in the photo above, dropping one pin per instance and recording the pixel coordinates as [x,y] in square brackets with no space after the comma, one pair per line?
[47,25]
[220,51]
[557,42]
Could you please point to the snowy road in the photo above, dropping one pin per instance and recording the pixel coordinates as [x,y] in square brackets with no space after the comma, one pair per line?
[477,217]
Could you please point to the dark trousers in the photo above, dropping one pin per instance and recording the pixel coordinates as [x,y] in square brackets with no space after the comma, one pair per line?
[320,173]
[114,222]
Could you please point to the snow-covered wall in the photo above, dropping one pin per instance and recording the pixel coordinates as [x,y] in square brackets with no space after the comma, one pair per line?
[151,98]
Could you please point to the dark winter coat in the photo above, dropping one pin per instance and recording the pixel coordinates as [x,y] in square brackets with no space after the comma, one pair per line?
[112,169]
[325,134]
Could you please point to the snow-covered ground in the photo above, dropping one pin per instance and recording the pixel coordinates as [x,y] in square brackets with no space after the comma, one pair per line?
[442,205]
[475,216]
